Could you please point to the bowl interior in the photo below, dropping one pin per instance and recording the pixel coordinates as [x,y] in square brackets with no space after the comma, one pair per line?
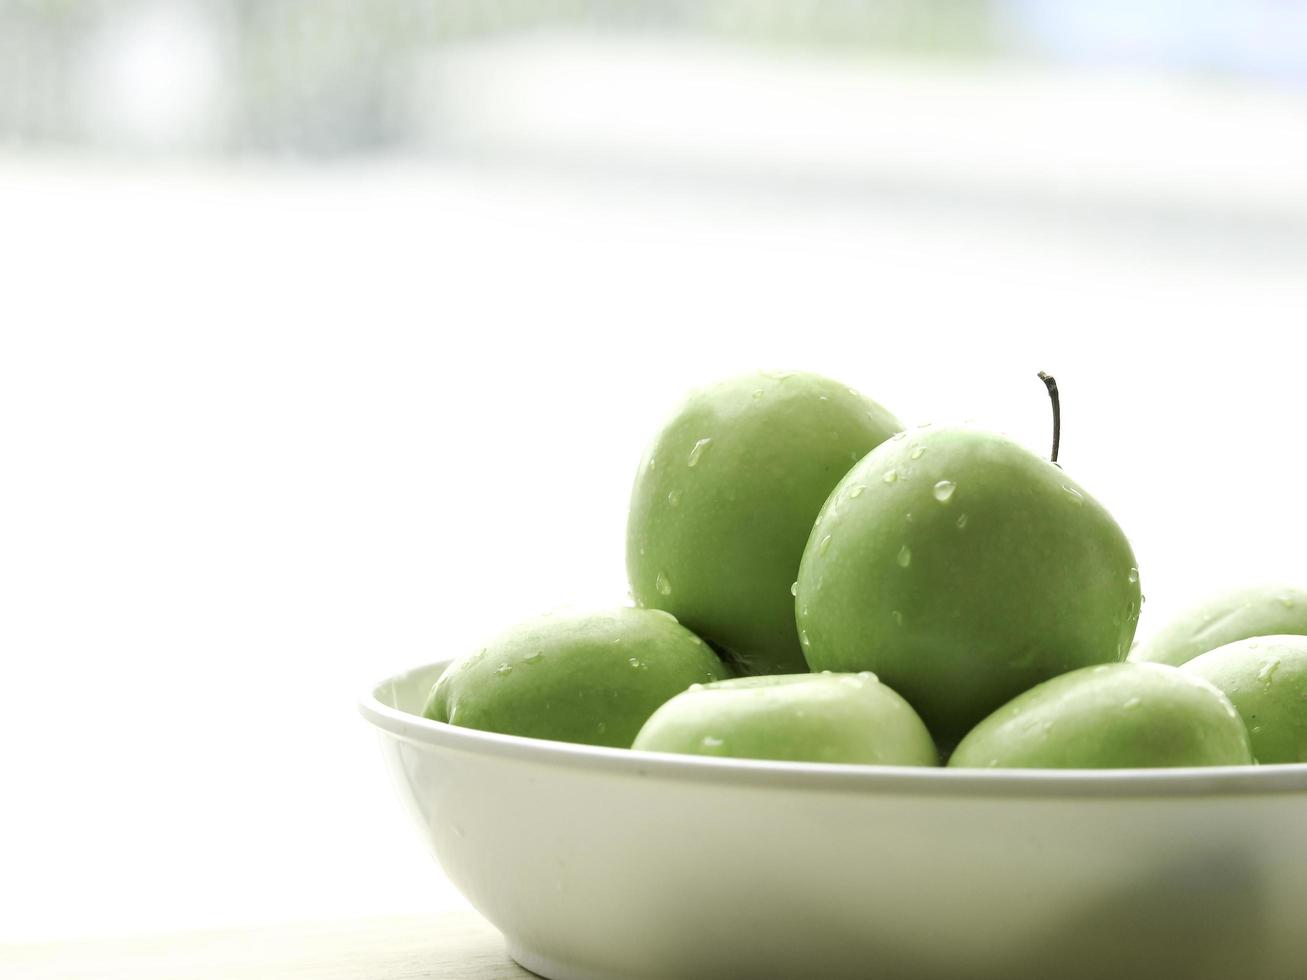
[408,692]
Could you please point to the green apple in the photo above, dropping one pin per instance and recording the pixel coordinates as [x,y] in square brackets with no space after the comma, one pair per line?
[574,677]
[1263,610]
[963,569]
[724,500]
[851,718]
[1265,679]
[1115,716]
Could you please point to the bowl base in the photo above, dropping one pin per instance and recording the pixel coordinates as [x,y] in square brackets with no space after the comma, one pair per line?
[548,967]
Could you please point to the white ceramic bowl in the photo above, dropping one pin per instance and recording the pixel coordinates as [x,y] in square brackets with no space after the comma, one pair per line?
[603,863]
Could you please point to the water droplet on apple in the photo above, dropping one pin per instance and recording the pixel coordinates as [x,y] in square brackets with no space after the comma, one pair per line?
[824,546]
[534,658]
[823,398]
[1268,670]
[663,584]
[803,638]
[944,491]
[855,491]
[794,589]
[757,392]
[601,727]
[890,476]
[635,662]
[1133,576]
[898,436]
[961,522]
[1132,703]
[904,557]
[898,617]
[504,670]
[674,497]
[917,453]
[712,743]
[697,451]
[1076,496]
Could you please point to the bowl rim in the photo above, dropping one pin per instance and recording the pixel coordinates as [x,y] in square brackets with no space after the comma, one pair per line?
[1210,781]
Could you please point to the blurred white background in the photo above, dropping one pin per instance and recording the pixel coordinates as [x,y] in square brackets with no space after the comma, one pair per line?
[295,397]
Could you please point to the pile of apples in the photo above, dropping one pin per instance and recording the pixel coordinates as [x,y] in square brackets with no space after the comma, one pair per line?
[815,583]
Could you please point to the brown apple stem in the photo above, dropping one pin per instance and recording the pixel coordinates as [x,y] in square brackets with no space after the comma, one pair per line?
[1050,383]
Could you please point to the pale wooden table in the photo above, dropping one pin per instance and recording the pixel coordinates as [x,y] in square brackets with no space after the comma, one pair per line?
[450,946]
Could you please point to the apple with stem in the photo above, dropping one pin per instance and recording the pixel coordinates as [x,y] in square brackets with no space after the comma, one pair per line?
[963,569]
